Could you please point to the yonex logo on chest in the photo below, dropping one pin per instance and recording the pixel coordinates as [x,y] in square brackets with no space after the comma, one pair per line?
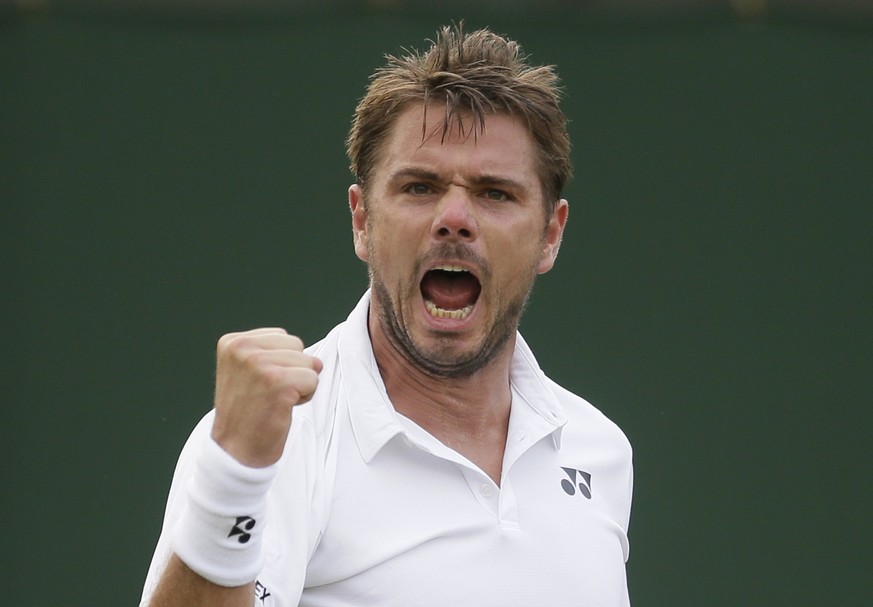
[576,479]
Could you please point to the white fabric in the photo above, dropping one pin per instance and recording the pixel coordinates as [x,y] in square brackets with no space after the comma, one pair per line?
[370,509]
[219,533]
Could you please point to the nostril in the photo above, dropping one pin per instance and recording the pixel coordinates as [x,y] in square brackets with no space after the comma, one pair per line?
[454,219]
[460,232]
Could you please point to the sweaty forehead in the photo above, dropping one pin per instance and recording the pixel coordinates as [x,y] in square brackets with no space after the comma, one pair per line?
[502,147]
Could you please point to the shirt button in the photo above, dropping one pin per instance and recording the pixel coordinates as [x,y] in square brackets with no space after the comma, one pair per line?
[486,490]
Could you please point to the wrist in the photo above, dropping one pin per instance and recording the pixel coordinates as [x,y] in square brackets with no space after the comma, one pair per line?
[219,535]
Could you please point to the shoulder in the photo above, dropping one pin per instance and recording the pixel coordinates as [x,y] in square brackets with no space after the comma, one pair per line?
[586,419]
[602,450]
[585,425]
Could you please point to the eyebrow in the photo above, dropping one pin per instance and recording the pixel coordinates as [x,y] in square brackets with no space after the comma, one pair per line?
[413,172]
[478,180]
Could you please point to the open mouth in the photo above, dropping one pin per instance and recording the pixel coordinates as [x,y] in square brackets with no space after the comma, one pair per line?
[450,291]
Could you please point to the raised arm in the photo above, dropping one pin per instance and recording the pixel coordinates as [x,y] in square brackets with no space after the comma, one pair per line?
[216,543]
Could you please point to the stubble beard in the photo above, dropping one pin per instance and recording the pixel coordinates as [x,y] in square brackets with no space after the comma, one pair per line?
[444,361]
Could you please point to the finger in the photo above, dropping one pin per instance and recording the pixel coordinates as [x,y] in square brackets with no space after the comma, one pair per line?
[305,381]
[285,358]
[253,332]
[262,330]
[267,339]
[294,386]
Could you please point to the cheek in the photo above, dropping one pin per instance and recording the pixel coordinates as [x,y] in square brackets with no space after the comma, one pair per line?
[521,247]
[398,237]
[388,252]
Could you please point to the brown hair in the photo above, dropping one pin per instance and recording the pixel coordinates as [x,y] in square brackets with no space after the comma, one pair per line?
[480,73]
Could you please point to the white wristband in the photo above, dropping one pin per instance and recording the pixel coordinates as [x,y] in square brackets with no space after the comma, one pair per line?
[219,534]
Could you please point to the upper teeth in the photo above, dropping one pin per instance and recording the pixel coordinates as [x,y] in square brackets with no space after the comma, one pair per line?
[451,268]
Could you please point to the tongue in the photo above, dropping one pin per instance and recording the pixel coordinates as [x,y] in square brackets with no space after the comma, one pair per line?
[450,290]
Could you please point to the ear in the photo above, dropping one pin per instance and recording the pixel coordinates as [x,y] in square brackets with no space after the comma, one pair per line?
[359,221]
[554,233]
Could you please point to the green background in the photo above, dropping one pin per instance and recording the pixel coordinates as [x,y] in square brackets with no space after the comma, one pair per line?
[168,177]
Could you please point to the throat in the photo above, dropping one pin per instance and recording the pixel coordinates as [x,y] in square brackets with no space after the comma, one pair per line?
[486,452]
[475,430]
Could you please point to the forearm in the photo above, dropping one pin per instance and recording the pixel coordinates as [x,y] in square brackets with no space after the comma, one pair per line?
[181,587]
[214,527]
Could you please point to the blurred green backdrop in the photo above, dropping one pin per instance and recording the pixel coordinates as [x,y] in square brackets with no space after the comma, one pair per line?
[170,176]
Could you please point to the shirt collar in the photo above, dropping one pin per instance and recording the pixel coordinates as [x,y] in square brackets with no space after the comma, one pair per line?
[543,414]
[374,419]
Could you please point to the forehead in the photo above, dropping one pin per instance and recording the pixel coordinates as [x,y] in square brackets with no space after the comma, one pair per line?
[502,147]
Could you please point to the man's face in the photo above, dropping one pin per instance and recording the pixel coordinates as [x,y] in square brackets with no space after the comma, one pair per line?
[454,231]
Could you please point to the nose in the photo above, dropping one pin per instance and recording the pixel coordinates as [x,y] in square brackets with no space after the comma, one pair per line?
[454,216]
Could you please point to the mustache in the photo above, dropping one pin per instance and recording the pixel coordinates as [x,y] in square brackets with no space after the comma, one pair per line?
[454,252]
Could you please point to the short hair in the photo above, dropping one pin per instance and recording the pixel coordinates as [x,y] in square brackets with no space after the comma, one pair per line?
[481,73]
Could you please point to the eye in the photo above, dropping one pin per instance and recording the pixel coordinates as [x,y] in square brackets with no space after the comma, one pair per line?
[497,195]
[418,189]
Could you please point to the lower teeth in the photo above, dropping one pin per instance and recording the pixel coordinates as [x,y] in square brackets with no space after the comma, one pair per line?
[453,314]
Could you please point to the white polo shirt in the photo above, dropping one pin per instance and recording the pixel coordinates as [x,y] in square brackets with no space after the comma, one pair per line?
[370,509]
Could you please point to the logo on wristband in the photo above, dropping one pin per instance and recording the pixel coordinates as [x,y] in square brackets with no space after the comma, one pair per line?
[243,524]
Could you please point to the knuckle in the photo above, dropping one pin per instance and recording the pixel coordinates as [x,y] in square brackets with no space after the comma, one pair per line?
[248,356]
[224,342]
[232,344]
[273,377]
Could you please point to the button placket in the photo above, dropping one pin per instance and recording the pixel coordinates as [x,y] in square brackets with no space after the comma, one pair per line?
[483,489]
[508,506]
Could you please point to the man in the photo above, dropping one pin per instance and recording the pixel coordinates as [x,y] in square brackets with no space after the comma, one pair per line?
[417,455]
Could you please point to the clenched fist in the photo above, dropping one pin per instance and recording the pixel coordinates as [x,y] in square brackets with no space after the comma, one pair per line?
[260,376]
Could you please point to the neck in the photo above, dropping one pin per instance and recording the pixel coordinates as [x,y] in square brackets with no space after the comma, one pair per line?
[468,414]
